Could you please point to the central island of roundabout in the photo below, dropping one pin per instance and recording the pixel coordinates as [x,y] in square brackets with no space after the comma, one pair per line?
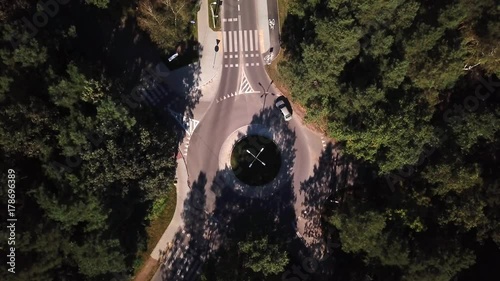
[255,159]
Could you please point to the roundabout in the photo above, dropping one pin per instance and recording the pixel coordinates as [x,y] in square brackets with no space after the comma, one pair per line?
[253,160]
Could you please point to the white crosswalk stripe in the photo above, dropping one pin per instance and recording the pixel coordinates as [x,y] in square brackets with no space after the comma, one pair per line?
[240,38]
[256,33]
[245,33]
[235,41]
[230,41]
[251,41]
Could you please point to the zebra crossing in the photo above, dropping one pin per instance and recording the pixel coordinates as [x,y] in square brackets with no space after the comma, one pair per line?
[244,40]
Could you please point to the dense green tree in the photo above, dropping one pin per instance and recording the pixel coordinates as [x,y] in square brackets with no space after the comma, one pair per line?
[166,21]
[87,164]
[396,83]
[262,256]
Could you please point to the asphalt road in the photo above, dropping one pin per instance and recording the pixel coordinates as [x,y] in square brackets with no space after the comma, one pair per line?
[240,99]
[246,96]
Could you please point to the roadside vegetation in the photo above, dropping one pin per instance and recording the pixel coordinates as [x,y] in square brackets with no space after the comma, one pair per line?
[403,87]
[160,216]
[94,172]
[171,25]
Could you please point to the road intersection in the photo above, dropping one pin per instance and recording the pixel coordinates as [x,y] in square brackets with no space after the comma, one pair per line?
[231,100]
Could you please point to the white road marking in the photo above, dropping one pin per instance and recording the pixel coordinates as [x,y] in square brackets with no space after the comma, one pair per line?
[230,56]
[240,38]
[256,64]
[238,7]
[235,19]
[231,65]
[246,55]
[225,56]
[235,56]
[256,40]
[251,41]
[252,64]
[245,35]
[235,39]
[230,41]
[224,20]
[251,55]
[245,85]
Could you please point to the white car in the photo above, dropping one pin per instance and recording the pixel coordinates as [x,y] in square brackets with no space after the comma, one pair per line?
[284,110]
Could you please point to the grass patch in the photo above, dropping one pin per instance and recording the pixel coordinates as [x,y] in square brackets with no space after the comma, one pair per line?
[282,11]
[211,19]
[159,218]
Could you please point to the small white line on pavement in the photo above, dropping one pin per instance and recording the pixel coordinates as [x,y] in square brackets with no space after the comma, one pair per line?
[230,56]
[257,64]
[251,55]
[252,64]
[226,65]
[236,65]
[238,7]
[224,20]
[230,41]
[231,65]
[246,64]
[235,19]
[230,19]
[225,56]
[246,55]
[235,56]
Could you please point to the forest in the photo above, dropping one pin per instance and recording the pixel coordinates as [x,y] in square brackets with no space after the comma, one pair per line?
[407,89]
[410,90]
[89,163]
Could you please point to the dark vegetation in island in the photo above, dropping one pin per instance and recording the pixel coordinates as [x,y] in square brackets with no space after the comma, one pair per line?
[91,166]
[255,165]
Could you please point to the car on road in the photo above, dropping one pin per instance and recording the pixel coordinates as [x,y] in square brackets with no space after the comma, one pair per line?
[281,105]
